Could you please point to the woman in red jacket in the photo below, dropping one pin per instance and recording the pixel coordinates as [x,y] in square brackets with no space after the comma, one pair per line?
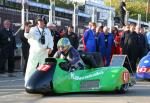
[117,36]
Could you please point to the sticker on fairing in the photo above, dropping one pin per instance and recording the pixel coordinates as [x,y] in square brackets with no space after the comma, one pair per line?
[76,77]
[126,77]
[142,70]
[44,68]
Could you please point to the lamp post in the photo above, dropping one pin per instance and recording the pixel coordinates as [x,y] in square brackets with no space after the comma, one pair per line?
[139,20]
[76,3]
[75,18]
[52,11]
[24,6]
[147,10]
[94,13]
[23,12]
[27,10]
[110,17]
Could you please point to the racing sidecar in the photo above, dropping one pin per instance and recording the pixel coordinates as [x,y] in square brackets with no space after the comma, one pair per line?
[143,68]
[53,77]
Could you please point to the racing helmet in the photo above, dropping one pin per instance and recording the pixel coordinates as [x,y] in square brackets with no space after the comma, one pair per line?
[64,43]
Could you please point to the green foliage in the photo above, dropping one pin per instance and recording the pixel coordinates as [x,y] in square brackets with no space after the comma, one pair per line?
[135,7]
[62,3]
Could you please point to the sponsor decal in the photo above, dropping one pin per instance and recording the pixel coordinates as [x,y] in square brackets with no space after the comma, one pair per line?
[148,70]
[126,77]
[44,68]
[142,70]
[75,77]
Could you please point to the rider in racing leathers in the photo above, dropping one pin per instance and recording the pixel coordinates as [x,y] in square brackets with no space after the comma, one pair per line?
[66,51]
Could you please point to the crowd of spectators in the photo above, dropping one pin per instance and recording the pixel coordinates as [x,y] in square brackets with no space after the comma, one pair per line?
[40,41]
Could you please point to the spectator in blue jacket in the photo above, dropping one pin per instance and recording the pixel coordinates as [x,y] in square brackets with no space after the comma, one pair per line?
[105,43]
[89,38]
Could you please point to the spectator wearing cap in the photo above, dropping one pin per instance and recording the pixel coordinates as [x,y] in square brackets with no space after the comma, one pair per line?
[56,36]
[74,40]
[41,44]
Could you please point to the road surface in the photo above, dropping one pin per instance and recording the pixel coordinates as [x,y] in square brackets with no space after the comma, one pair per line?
[12,91]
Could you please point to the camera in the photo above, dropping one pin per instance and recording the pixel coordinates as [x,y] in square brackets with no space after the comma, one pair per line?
[42,39]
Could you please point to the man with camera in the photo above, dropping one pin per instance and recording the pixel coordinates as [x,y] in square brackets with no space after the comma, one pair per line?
[41,44]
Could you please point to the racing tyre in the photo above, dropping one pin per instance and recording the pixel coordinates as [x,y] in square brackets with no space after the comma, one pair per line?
[124,88]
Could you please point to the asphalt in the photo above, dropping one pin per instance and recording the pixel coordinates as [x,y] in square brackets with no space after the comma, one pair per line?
[12,91]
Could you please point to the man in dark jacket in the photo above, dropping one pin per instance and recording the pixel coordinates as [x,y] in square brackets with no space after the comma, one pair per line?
[56,37]
[124,39]
[123,12]
[142,43]
[72,37]
[7,46]
[130,45]
[25,45]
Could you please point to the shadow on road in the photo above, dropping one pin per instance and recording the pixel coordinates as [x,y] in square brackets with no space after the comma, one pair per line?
[131,92]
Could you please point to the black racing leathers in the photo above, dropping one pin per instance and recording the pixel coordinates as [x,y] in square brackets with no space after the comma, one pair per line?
[72,56]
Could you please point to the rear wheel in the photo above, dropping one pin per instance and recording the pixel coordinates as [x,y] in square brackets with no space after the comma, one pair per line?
[124,88]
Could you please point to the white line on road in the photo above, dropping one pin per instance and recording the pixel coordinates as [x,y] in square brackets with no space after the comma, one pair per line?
[8,90]
[10,86]
[11,80]
[142,85]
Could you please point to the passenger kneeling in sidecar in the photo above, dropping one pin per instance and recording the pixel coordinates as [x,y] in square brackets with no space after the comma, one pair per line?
[70,54]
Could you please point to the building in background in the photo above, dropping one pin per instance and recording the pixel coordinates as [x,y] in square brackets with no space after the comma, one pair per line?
[63,16]
[102,12]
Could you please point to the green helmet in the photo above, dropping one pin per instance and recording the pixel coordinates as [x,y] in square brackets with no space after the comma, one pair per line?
[64,43]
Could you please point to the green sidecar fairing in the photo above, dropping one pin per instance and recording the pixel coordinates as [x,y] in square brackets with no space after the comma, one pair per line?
[55,79]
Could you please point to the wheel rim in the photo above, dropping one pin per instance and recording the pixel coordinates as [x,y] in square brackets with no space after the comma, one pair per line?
[125,87]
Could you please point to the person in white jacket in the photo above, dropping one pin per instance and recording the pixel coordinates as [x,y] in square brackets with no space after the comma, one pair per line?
[41,44]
